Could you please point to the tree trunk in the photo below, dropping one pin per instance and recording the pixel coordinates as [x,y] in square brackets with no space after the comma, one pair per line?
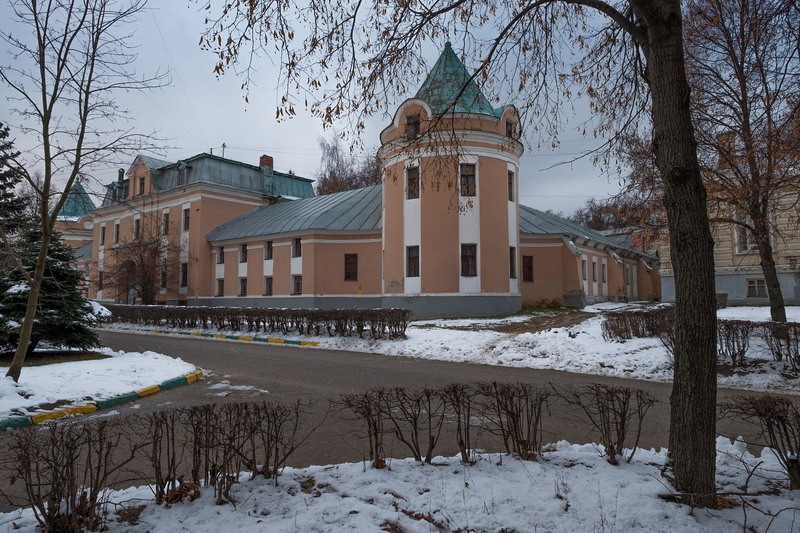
[692,437]
[777,308]
[15,369]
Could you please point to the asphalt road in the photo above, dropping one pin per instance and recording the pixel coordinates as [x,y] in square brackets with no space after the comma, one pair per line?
[316,376]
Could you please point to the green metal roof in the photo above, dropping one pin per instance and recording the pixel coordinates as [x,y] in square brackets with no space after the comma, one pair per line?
[535,222]
[449,82]
[78,203]
[356,210]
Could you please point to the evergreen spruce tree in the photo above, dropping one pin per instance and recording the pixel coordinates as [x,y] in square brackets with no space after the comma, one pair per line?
[12,207]
[64,315]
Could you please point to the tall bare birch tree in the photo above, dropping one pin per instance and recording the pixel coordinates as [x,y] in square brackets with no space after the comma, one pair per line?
[65,63]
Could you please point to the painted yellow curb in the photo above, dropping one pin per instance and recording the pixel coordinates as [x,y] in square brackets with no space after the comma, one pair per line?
[196,334]
[80,409]
[43,417]
[147,391]
[249,339]
[309,343]
[220,336]
[194,376]
[275,341]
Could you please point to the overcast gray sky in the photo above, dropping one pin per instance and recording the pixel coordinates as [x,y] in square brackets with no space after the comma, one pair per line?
[199,112]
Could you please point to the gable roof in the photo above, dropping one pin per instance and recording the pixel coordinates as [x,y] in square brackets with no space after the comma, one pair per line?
[78,203]
[535,222]
[446,81]
[356,210]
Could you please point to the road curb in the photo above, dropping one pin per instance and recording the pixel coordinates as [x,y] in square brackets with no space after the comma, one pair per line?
[223,336]
[44,416]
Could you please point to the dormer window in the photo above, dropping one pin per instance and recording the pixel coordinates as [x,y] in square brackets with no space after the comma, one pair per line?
[412,127]
[510,129]
[468,185]
[141,186]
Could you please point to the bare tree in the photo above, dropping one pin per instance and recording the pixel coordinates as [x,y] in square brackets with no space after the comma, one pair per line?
[68,61]
[354,58]
[145,263]
[744,70]
[341,171]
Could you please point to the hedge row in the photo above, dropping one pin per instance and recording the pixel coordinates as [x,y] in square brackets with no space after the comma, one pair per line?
[782,340]
[378,323]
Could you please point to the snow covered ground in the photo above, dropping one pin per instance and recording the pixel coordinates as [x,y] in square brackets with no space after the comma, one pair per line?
[569,489]
[580,348]
[120,373]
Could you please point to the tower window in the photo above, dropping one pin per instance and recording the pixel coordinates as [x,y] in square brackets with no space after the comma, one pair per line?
[469,259]
[412,261]
[468,186]
[512,262]
[412,127]
[510,186]
[527,268]
[510,127]
[297,247]
[412,183]
[268,250]
[350,267]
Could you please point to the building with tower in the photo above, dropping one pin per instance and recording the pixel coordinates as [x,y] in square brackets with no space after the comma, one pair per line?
[444,235]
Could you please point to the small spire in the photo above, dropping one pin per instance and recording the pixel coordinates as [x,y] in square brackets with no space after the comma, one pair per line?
[448,45]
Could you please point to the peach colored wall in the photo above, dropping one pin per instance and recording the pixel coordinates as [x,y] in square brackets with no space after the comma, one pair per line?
[281,267]
[547,285]
[494,253]
[393,247]
[255,269]
[440,253]
[571,273]
[327,269]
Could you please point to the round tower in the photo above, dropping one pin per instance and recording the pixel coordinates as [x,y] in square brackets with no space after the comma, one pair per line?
[450,196]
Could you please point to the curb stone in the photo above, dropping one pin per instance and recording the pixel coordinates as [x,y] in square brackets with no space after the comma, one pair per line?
[38,418]
[223,336]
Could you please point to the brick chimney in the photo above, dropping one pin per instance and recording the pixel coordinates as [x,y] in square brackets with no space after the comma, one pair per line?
[265,161]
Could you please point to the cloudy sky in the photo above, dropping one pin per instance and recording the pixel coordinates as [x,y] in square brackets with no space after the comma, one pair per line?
[198,112]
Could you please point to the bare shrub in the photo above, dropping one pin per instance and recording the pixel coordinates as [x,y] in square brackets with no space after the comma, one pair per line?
[370,409]
[514,413]
[418,418]
[380,323]
[783,341]
[733,339]
[271,436]
[459,398]
[779,421]
[65,468]
[162,453]
[611,411]
[623,325]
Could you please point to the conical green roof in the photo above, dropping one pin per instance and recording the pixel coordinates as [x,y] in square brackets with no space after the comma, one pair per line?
[78,203]
[448,80]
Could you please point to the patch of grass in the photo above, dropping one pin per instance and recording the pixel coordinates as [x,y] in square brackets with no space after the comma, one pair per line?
[51,357]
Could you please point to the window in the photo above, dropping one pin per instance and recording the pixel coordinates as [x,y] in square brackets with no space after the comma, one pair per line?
[242,286]
[99,280]
[467,172]
[297,284]
[140,185]
[181,176]
[512,262]
[594,271]
[268,250]
[583,269]
[412,261]
[350,267]
[469,259]
[267,285]
[243,253]
[527,268]
[605,273]
[165,223]
[412,127]
[137,228]
[220,287]
[412,183]
[185,274]
[186,219]
[510,127]
[745,242]
[510,186]
[627,275]
[220,255]
[102,235]
[297,248]
[756,288]
[163,273]
[116,232]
